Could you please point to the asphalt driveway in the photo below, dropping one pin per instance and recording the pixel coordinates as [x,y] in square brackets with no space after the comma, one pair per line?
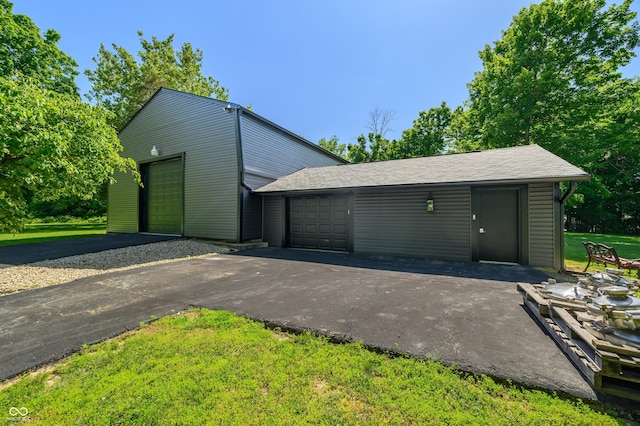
[467,314]
[28,253]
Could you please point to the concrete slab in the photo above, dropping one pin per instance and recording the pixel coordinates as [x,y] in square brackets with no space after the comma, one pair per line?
[466,314]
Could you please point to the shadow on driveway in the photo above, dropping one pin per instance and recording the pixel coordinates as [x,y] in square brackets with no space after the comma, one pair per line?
[476,270]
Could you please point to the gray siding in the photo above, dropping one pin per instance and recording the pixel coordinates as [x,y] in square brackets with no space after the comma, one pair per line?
[122,213]
[397,223]
[269,153]
[179,123]
[541,225]
[273,221]
[251,215]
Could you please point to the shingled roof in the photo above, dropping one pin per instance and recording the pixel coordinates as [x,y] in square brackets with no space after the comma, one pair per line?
[530,163]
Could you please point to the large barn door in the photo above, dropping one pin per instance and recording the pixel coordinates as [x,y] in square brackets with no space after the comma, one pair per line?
[498,225]
[319,223]
[162,197]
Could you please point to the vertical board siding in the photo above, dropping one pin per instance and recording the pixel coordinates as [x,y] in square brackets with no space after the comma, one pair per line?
[269,154]
[273,232]
[179,123]
[397,223]
[541,225]
[122,204]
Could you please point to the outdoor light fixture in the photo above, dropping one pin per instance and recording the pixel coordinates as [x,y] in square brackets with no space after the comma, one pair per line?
[227,108]
[430,206]
[154,151]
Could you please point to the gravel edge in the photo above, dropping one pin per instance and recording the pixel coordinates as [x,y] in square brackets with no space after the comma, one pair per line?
[59,271]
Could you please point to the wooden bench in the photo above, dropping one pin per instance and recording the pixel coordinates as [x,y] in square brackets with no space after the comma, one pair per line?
[607,255]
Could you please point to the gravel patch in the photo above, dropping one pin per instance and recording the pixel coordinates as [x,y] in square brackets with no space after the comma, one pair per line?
[67,269]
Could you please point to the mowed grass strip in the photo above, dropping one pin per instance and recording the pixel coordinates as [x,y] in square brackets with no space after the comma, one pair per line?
[212,367]
[627,246]
[47,232]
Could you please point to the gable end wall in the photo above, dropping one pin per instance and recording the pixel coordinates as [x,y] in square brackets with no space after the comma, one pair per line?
[178,123]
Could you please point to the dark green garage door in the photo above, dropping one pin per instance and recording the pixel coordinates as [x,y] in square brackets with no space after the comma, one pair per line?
[162,198]
[319,223]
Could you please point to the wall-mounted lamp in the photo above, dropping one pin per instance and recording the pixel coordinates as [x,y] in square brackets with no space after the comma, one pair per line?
[154,151]
[430,204]
[227,108]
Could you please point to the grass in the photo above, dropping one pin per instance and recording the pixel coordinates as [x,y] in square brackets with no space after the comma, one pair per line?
[576,256]
[212,367]
[46,232]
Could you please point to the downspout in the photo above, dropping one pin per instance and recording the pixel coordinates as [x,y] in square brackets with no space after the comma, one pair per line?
[563,200]
[240,174]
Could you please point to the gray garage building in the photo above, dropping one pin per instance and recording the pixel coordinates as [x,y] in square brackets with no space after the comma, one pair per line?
[216,170]
[200,160]
[502,205]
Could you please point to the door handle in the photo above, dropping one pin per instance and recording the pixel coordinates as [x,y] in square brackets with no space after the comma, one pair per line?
[482,231]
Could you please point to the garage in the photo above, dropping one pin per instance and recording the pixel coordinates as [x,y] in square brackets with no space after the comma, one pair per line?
[321,223]
[501,205]
[162,197]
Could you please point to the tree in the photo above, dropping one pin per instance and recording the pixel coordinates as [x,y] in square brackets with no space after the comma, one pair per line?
[25,52]
[544,74]
[374,147]
[430,134]
[334,146]
[379,121]
[553,79]
[464,131]
[609,202]
[51,145]
[122,83]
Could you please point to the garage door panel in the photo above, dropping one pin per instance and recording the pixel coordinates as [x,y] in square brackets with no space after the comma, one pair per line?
[324,228]
[310,242]
[340,229]
[325,215]
[340,215]
[163,197]
[325,244]
[340,245]
[319,223]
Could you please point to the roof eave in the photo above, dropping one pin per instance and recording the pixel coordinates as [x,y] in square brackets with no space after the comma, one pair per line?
[294,191]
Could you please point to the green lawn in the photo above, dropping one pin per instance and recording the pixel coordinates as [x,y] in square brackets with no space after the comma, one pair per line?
[212,367]
[45,232]
[576,256]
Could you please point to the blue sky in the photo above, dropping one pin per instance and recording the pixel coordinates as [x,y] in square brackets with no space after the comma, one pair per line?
[316,68]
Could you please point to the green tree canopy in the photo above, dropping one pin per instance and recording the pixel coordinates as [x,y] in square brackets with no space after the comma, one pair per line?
[373,147]
[51,145]
[25,52]
[430,134]
[543,76]
[334,146]
[122,83]
[554,79]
